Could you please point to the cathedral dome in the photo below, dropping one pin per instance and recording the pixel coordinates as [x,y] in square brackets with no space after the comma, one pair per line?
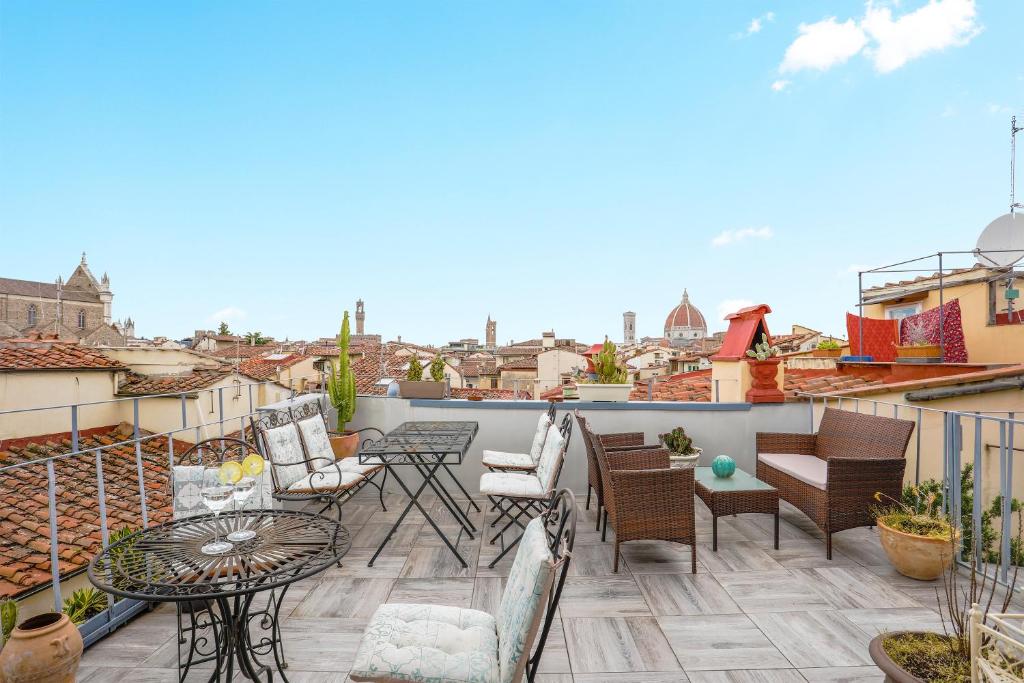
[685,321]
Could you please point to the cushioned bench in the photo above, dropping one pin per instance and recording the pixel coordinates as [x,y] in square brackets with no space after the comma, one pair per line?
[832,476]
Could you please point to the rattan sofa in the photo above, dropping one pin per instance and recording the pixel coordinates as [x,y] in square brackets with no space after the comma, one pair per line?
[832,476]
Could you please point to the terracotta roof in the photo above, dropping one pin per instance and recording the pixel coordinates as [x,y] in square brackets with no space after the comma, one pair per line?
[45,290]
[687,386]
[24,512]
[521,364]
[262,367]
[52,355]
[146,385]
[969,376]
[243,351]
[685,315]
[519,350]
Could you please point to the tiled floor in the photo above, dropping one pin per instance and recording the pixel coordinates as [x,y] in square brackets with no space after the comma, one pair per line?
[751,613]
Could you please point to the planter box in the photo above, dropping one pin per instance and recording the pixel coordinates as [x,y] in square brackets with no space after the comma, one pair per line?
[826,353]
[921,351]
[108,620]
[410,389]
[604,392]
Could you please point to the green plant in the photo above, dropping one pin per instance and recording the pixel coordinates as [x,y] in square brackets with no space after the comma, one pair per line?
[763,350]
[8,618]
[256,338]
[437,369]
[124,554]
[415,372]
[678,442]
[223,328]
[920,519]
[84,603]
[607,366]
[829,345]
[341,385]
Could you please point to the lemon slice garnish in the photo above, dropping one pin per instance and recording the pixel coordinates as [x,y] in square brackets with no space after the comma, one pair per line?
[253,465]
[230,472]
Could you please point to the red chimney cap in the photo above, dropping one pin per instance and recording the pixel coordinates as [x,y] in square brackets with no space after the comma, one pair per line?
[750,311]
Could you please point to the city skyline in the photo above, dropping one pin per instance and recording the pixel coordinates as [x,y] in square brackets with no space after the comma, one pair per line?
[549,166]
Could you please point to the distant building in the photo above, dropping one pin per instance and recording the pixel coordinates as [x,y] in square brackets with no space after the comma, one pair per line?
[629,328]
[491,333]
[77,310]
[360,317]
[685,323]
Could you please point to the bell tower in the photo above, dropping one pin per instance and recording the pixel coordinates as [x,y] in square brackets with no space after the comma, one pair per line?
[360,316]
[491,333]
[629,328]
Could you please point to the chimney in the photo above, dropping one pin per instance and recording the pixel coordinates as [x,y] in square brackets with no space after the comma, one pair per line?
[547,340]
[731,378]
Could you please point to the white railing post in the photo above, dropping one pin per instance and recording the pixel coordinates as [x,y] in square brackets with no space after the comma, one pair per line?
[51,494]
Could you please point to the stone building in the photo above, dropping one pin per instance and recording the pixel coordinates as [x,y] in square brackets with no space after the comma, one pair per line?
[685,324]
[76,310]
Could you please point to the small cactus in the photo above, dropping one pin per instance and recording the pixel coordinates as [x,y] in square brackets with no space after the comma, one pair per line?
[607,367]
[763,350]
[8,618]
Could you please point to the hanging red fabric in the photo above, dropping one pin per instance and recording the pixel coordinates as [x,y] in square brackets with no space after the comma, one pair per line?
[952,339]
[880,337]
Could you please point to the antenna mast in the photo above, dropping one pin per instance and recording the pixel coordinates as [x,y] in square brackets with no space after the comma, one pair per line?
[1014,129]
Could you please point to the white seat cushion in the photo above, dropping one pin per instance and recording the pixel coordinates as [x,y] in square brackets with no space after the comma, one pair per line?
[807,468]
[428,643]
[351,464]
[286,455]
[325,480]
[511,484]
[314,435]
[539,436]
[516,461]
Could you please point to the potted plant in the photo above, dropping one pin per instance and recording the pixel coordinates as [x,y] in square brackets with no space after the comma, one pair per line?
[610,381]
[827,348]
[908,656]
[684,453]
[87,609]
[413,386]
[341,389]
[764,369]
[916,538]
[919,349]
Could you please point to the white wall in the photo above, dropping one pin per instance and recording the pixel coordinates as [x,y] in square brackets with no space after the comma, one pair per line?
[509,425]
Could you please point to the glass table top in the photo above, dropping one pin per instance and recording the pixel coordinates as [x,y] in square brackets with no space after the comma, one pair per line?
[739,481]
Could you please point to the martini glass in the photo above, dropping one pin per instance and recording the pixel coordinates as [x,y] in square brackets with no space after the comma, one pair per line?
[243,490]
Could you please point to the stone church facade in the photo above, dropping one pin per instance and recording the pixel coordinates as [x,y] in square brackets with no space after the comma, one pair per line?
[76,310]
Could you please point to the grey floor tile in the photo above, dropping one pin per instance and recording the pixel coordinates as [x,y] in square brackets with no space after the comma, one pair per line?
[633,677]
[685,594]
[657,557]
[487,592]
[594,560]
[844,674]
[854,587]
[605,596]
[608,645]
[717,642]
[819,638]
[747,676]
[774,591]
[874,621]
[344,598]
[453,592]
[736,556]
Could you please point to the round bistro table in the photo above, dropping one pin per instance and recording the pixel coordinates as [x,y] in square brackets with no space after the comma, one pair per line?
[164,563]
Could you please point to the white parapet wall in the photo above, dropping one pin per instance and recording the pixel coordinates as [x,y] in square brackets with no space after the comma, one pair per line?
[718,428]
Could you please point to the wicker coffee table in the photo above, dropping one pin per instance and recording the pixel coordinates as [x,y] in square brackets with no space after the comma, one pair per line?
[739,494]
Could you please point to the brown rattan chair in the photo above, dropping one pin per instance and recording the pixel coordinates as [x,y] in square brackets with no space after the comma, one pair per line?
[832,476]
[612,443]
[645,499]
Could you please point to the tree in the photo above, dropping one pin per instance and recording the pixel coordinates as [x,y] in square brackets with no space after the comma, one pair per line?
[341,385]
[256,338]
[223,329]
[437,369]
[415,372]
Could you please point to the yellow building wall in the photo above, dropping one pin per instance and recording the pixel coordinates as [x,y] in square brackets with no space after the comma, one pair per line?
[985,343]
[521,379]
[43,388]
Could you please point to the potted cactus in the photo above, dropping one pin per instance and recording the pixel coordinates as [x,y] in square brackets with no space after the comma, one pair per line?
[610,380]
[827,348]
[341,389]
[680,445]
[414,386]
[764,369]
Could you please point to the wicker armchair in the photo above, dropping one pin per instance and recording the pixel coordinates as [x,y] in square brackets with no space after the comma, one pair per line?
[612,443]
[645,499]
[832,476]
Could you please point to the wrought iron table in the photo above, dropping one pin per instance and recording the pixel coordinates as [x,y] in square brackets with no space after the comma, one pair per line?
[165,564]
[430,448]
[736,495]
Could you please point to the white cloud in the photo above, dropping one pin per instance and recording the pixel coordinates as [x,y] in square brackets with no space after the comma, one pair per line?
[755,25]
[822,45]
[228,315]
[727,237]
[993,108]
[780,85]
[888,41]
[731,306]
[935,26]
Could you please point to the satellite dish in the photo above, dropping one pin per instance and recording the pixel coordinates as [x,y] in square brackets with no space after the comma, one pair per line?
[1002,242]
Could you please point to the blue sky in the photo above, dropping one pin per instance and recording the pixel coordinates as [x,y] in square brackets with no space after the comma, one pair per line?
[552,164]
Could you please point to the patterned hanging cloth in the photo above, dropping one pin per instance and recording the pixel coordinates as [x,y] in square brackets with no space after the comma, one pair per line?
[954,347]
[879,337]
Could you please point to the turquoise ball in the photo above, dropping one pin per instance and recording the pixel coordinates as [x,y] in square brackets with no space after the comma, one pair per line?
[723,466]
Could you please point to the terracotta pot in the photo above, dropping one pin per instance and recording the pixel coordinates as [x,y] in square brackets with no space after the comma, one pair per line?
[894,673]
[765,387]
[826,353]
[918,557]
[345,446]
[43,649]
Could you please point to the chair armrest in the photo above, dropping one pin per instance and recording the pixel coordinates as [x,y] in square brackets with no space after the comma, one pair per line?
[639,447]
[653,459]
[621,439]
[783,442]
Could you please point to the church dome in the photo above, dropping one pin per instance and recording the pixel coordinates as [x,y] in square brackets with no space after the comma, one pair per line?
[685,321]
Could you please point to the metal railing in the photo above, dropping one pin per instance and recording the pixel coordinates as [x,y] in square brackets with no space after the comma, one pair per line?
[951,458]
[221,424]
